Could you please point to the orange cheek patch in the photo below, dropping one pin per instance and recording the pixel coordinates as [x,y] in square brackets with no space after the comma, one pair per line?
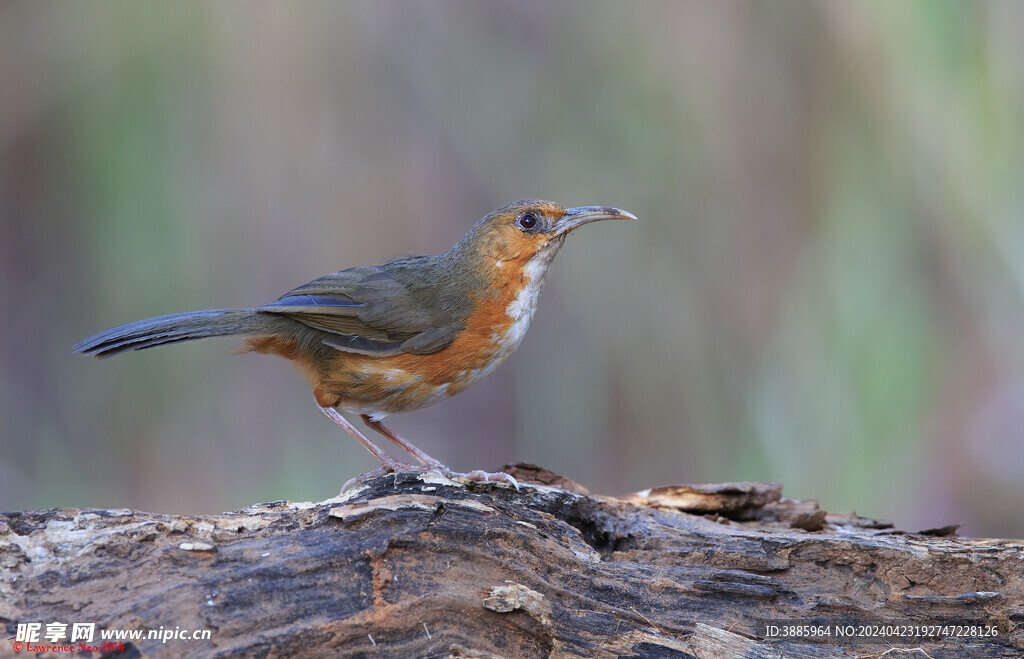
[512,246]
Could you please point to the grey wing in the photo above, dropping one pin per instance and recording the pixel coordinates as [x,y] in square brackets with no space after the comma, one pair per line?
[368,311]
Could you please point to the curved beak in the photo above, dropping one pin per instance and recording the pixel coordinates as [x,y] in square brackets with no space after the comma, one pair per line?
[575,217]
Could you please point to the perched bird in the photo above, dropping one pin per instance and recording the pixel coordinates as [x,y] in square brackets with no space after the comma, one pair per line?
[381,339]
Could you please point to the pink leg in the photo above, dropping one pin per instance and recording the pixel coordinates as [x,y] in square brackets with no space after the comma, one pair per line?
[383,458]
[405,444]
[389,464]
[477,475]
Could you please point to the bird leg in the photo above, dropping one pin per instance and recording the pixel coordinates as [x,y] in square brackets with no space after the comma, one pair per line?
[477,475]
[387,462]
[405,444]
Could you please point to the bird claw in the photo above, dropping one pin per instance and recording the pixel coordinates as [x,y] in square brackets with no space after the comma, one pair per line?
[480,476]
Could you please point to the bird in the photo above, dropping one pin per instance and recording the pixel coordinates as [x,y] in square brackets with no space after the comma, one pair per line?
[400,336]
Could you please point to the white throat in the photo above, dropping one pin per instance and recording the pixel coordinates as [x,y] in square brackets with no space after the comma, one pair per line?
[519,310]
[522,307]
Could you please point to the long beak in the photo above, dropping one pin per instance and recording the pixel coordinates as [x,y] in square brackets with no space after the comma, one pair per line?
[575,217]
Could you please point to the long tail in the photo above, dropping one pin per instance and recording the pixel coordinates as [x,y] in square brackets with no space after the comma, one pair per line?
[174,328]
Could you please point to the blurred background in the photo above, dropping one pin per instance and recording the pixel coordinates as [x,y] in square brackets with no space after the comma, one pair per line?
[825,288]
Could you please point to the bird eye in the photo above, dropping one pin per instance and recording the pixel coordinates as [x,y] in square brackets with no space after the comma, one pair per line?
[528,221]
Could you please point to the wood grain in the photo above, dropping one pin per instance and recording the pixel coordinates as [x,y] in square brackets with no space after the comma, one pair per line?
[425,566]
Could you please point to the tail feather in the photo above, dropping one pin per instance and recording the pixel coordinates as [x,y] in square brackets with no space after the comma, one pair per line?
[174,328]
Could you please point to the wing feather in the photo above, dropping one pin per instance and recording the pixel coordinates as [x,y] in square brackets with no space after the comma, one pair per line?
[377,310]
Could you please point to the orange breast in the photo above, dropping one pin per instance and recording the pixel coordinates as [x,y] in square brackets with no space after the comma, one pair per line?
[406,382]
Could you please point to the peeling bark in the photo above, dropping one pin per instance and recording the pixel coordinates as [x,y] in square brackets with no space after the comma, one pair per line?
[418,566]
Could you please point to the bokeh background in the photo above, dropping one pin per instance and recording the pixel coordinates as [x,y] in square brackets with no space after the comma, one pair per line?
[826,287]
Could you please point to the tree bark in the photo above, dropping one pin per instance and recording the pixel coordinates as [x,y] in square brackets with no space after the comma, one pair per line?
[419,565]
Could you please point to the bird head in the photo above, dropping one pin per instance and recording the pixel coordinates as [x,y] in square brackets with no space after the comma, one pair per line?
[529,233]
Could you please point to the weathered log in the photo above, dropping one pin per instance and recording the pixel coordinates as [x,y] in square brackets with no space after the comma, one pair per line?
[415,566]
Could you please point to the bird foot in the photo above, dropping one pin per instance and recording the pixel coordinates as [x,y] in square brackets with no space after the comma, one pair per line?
[398,468]
[477,475]
[481,476]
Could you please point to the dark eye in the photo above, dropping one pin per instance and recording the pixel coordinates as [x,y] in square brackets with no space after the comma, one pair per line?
[528,221]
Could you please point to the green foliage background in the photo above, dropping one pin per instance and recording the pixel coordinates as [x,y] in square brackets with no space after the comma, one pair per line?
[825,289]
